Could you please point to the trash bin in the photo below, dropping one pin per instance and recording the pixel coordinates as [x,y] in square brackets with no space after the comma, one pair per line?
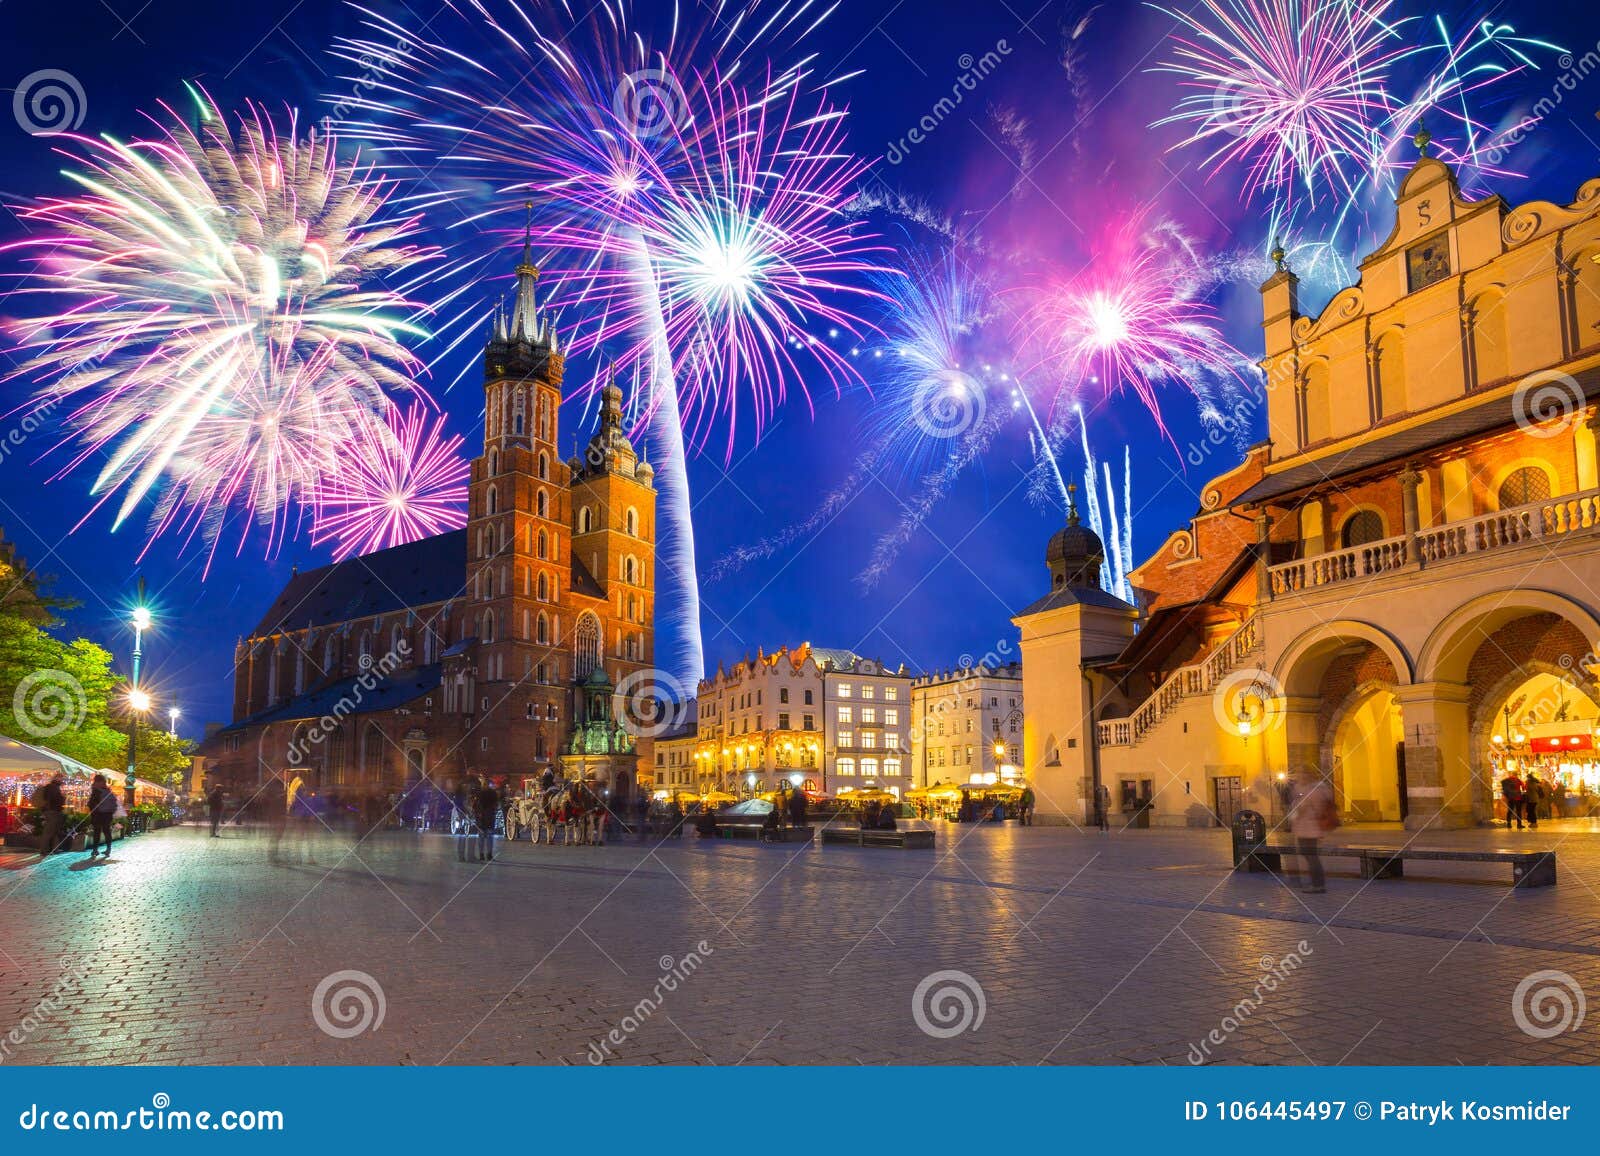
[1249,837]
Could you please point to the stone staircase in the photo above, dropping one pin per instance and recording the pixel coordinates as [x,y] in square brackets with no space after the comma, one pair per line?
[1201,678]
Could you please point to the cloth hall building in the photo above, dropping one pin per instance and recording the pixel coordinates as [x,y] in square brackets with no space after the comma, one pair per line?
[493,650]
[1400,587]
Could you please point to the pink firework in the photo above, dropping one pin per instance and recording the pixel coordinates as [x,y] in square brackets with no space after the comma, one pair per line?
[406,481]
[1133,318]
[1291,90]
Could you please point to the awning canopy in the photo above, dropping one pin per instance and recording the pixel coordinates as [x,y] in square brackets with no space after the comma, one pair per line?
[29,761]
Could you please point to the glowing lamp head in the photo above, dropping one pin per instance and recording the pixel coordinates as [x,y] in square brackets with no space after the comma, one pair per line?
[174,712]
[141,618]
[138,700]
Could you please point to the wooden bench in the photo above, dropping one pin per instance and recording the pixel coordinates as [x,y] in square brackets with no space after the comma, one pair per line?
[1528,868]
[912,838]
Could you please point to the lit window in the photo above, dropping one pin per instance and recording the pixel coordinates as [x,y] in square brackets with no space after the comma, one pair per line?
[845,715]
[891,694]
[868,690]
[869,716]
[846,766]
[844,690]
[891,717]
[846,738]
[869,739]
[869,768]
[891,766]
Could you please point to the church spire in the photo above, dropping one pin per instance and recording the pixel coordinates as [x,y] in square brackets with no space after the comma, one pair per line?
[525,325]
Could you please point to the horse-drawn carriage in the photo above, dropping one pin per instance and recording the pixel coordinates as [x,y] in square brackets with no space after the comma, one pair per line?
[571,810]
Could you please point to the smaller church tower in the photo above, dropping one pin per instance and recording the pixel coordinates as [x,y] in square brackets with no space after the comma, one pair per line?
[1075,623]
[614,533]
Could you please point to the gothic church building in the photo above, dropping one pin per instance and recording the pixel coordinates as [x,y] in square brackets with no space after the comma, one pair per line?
[493,650]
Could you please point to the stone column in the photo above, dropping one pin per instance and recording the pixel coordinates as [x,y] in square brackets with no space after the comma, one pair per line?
[1410,479]
[1583,444]
[1289,742]
[1263,557]
[1439,786]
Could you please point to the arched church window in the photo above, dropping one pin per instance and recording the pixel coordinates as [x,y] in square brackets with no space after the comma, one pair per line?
[544,544]
[585,520]
[544,465]
[544,628]
[586,646]
[1523,486]
[633,521]
[543,504]
[494,500]
[520,420]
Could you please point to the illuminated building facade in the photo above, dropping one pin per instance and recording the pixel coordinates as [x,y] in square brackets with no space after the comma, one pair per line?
[1399,586]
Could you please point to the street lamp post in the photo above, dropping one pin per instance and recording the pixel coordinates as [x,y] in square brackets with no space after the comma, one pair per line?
[172,721]
[138,700]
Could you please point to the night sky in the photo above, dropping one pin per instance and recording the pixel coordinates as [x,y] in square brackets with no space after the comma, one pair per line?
[953,589]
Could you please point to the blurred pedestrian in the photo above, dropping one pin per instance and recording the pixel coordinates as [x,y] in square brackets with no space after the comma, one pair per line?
[1102,807]
[1025,807]
[1312,816]
[102,809]
[52,803]
[1533,803]
[1513,791]
[641,813]
[798,803]
[461,812]
[486,808]
[215,801]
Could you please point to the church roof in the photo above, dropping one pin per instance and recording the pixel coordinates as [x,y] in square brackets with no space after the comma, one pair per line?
[349,697]
[583,582]
[421,573]
[1074,596]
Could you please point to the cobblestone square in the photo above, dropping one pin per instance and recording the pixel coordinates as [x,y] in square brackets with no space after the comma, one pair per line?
[1005,945]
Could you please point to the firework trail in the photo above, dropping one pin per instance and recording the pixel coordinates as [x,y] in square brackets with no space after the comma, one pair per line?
[220,338]
[410,483]
[694,188]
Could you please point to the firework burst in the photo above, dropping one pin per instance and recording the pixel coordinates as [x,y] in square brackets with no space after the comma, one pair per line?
[408,482]
[1290,89]
[218,340]
[690,197]
[1133,318]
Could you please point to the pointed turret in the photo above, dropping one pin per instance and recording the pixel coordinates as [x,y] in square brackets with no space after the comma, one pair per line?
[525,321]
